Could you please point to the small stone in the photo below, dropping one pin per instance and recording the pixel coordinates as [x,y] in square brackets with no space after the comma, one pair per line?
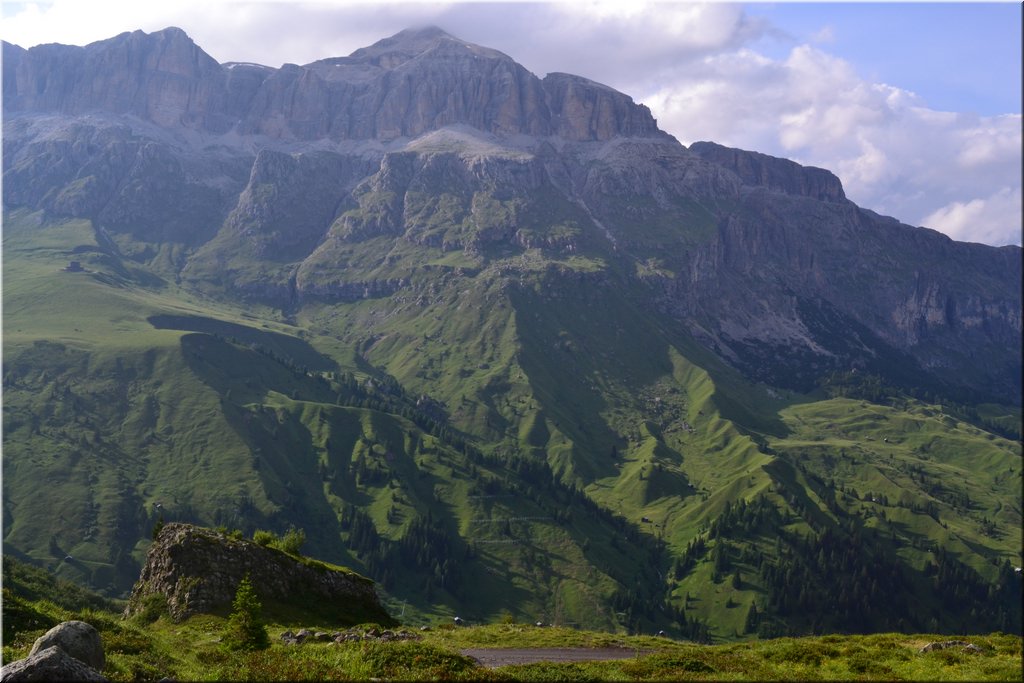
[942,645]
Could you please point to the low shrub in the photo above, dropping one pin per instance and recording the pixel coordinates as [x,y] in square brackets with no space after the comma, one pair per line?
[265,538]
[292,541]
[151,608]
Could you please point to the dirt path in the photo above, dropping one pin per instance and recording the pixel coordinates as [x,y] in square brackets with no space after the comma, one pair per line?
[492,657]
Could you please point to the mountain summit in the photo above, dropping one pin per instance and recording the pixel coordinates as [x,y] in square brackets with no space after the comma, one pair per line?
[797,273]
[496,341]
[403,86]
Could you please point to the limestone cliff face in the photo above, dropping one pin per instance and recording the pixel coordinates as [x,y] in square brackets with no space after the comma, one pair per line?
[585,110]
[290,200]
[161,77]
[198,571]
[789,278]
[83,167]
[401,87]
[781,175]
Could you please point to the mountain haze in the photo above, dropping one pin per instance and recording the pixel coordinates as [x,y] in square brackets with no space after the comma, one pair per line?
[495,340]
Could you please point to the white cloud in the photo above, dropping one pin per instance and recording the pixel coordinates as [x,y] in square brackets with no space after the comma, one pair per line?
[989,220]
[826,34]
[893,154]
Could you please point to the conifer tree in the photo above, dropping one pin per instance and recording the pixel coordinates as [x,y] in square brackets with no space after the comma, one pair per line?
[245,629]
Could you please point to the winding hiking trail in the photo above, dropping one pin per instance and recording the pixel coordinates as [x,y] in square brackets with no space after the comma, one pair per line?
[493,657]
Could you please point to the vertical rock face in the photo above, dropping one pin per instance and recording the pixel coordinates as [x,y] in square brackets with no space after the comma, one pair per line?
[161,77]
[781,175]
[198,570]
[291,200]
[403,86]
[84,168]
[585,110]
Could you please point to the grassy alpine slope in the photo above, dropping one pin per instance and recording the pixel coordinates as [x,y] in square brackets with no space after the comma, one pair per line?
[519,412]
[154,647]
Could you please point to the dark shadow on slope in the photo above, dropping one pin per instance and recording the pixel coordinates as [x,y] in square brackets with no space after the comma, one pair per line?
[283,346]
[282,450]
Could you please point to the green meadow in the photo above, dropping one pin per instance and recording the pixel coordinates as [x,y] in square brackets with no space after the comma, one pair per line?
[561,453]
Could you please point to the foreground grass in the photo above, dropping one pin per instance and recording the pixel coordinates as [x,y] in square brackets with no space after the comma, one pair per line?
[873,657]
[192,651]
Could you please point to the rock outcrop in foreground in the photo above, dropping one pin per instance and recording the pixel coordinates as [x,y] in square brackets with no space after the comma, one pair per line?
[198,570]
[70,651]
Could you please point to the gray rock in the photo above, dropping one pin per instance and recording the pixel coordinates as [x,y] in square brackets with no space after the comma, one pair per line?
[198,570]
[49,664]
[405,85]
[77,639]
[944,644]
[781,175]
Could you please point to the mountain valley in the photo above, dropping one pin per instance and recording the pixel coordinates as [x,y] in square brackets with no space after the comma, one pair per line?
[496,342]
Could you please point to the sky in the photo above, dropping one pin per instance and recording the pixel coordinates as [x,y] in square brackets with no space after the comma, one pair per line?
[915,106]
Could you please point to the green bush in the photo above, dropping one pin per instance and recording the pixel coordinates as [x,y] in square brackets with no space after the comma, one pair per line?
[158,527]
[245,629]
[265,538]
[126,642]
[292,541]
[151,608]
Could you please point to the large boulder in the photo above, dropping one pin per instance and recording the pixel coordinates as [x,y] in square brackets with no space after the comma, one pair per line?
[76,638]
[198,570]
[49,664]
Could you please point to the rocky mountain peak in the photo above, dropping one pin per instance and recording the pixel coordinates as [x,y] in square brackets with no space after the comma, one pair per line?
[418,81]
[415,42]
[163,77]
[169,50]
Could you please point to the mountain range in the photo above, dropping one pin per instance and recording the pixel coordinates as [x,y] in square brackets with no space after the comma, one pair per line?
[495,340]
